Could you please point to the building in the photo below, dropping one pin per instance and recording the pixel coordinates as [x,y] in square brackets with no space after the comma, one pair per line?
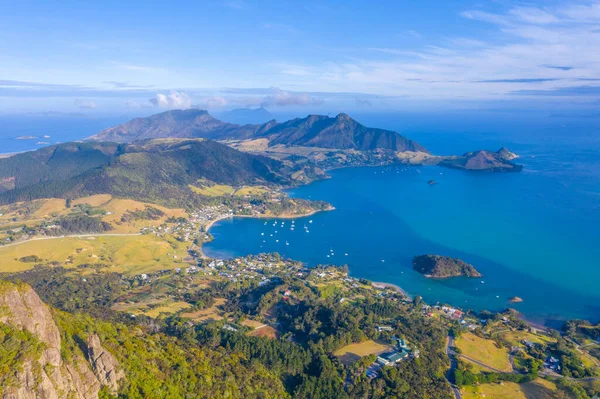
[386,359]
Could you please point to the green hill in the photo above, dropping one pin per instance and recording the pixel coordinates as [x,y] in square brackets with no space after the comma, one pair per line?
[150,170]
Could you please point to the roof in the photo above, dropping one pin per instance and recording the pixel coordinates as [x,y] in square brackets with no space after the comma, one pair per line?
[394,356]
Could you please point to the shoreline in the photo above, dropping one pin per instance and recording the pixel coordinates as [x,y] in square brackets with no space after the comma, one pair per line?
[382,285]
[286,216]
[210,224]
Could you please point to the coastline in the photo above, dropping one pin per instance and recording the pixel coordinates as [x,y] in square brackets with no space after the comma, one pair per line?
[286,216]
[382,285]
[210,224]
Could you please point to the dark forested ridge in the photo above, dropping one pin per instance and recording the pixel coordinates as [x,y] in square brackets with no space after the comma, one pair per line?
[341,132]
[147,170]
[54,163]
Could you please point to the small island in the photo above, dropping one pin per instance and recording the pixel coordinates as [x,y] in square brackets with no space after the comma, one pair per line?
[515,299]
[436,266]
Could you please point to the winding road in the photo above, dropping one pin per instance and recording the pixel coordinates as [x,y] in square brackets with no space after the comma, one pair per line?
[453,365]
[71,236]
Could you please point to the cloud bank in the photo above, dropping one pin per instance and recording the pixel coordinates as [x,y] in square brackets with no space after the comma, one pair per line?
[172,100]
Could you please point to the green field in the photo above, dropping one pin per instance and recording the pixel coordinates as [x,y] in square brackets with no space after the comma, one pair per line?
[217,190]
[127,254]
[539,388]
[485,351]
[352,352]
[515,338]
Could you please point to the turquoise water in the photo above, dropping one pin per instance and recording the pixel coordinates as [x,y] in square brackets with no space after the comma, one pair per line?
[532,234]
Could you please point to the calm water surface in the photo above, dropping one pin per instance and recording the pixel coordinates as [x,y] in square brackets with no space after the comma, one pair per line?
[533,234]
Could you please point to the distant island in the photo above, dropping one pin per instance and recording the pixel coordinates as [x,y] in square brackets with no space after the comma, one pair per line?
[515,299]
[483,160]
[436,266]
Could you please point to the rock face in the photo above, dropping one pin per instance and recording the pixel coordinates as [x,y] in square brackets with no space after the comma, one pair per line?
[49,376]
[437,266]
[507,155]
[104,364]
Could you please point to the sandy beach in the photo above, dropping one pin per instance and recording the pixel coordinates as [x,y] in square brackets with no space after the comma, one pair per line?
[389,285]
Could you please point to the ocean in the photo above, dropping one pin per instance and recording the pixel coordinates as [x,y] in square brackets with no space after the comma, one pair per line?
[57,129]
[533,234]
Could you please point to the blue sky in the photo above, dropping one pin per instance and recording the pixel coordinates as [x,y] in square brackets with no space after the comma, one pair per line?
[108,56]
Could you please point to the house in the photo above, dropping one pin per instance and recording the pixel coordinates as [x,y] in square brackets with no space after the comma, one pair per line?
[402,344]
[264,282]
[386,359]
[384,328]
[528,344]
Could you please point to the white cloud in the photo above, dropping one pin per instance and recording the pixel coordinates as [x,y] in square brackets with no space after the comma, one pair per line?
[174,99]
[215,102]
[534,15]
[511,55]
[283,98]
[85,104]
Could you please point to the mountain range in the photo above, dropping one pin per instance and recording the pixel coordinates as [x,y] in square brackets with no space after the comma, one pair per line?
[158,157]
[341,132]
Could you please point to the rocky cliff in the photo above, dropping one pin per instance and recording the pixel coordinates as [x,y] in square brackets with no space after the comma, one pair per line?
[39,371]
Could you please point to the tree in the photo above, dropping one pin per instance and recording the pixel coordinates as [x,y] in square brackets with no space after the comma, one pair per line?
[417,300]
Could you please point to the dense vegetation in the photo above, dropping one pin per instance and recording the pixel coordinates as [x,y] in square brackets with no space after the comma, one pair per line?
[155,171]
[193,360]
[160,366]
[16,347]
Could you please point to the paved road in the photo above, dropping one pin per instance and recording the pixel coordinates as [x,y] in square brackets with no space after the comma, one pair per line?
[483,364]
[453,365]
[71,236]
